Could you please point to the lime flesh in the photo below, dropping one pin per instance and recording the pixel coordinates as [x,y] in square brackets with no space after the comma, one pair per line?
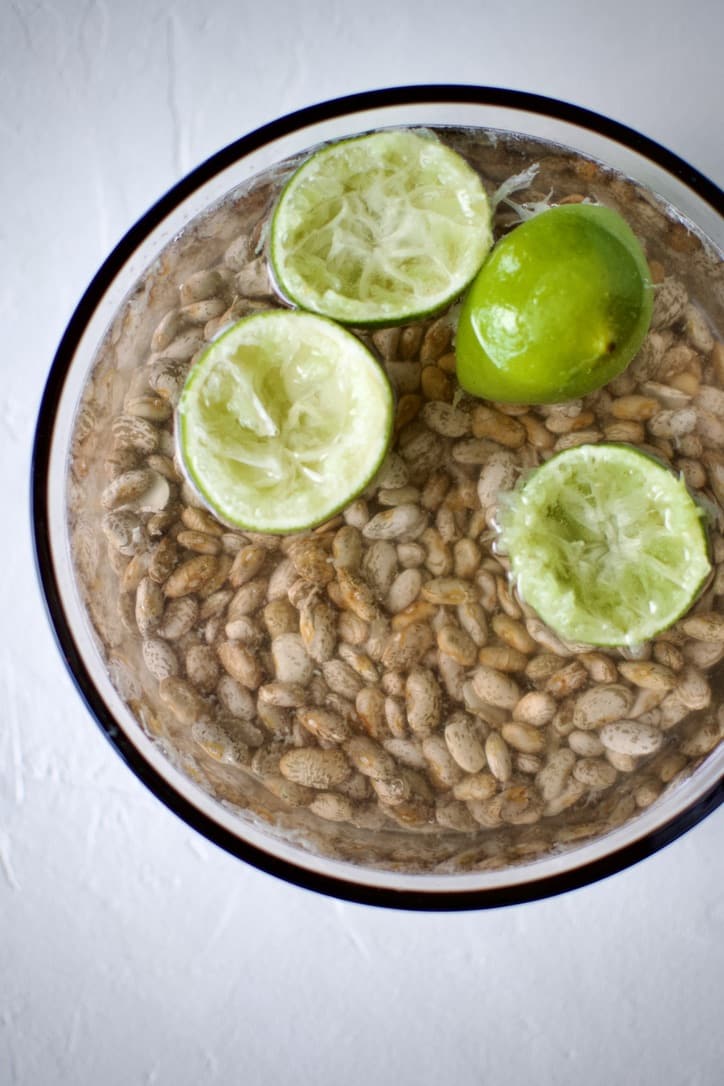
[379,229]
[283,420]
[561,307]
[606,544]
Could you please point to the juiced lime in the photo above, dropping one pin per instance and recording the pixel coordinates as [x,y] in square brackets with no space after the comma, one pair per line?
[380,229]
[606,544]
[283,420]
[560,307]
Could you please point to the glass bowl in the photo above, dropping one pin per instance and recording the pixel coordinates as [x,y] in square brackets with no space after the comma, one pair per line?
[410,836]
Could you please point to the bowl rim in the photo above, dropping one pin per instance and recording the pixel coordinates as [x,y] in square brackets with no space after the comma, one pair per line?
[346,889]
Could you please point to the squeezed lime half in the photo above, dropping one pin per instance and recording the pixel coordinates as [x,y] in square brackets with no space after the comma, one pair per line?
[606,544]
[283,421]
[380,229]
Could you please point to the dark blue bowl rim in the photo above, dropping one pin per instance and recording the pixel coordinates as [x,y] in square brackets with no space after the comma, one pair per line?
[345,889]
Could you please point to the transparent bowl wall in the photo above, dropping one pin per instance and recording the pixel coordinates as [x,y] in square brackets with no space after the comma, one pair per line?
[680,807]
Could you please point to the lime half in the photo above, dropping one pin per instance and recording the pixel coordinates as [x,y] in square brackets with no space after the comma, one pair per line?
[283,420]
[380,229]
[606,544]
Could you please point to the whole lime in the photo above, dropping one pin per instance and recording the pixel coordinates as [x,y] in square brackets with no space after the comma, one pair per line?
[560,307]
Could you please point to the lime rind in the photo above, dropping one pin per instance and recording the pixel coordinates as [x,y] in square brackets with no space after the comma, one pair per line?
[606,544]
[283,421]
[560,307]
[379,229]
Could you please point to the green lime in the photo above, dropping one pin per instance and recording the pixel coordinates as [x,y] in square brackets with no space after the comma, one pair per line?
[560,307]
[379,229]
[283,420]
[606,544]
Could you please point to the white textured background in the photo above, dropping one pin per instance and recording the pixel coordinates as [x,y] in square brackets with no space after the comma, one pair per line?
[131,951]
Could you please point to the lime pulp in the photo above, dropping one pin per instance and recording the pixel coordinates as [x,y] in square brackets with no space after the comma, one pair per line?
[283,421]
[606,544]
[380,229]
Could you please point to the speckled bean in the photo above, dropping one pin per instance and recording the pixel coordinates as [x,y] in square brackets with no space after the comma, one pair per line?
[631,737]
